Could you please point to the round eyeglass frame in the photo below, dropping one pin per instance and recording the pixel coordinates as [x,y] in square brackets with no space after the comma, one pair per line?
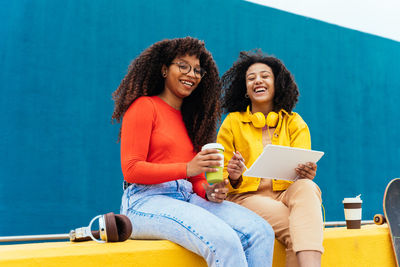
[197,75]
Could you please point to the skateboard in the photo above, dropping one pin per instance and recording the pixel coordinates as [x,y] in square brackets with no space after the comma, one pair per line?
[391,208]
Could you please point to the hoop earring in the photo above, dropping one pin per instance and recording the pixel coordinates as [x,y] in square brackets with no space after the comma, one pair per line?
[164,74]
[246,95]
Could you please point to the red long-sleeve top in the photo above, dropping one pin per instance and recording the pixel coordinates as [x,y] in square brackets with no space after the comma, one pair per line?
[155,145]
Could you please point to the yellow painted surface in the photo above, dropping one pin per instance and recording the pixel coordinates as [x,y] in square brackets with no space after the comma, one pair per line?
[279,255]
[129,253]
[369,246]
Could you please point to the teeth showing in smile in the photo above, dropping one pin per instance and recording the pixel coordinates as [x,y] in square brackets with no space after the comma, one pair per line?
[260,89]
[187,83]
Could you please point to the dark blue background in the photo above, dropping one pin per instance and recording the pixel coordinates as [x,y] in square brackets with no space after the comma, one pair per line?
[61,60]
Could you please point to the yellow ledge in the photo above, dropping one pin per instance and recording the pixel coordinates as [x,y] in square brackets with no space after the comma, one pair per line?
[369,246]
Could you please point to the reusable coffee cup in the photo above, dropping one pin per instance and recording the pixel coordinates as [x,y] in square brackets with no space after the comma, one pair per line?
[215,177]
[352,212]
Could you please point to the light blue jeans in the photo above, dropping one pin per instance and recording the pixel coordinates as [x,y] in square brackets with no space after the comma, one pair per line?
[224,234]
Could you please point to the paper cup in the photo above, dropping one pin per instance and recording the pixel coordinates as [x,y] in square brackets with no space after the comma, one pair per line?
[352,212]
[215,177]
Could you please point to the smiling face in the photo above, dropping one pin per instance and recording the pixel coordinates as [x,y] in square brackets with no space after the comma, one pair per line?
[178,84]
[260,85]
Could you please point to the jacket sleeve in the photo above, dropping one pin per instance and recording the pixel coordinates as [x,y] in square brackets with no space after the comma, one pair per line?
[225,138]
[299,133]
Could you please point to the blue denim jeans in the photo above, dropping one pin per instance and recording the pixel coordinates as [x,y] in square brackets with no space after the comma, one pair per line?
[224,234]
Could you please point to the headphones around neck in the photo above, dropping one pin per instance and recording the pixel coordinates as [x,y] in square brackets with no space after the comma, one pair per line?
[258,119]
[112,228]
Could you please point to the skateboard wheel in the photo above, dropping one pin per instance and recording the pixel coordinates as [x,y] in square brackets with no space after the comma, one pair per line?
[379,219]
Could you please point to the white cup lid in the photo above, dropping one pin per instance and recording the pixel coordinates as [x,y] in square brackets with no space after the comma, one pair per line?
[352,200]
[213,145]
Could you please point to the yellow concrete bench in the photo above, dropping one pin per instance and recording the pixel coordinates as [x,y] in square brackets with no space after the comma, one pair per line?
[368,246]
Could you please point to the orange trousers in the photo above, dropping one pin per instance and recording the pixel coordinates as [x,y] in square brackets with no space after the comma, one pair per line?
[294,214]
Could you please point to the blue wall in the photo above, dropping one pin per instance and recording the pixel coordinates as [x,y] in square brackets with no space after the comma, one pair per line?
[61,60]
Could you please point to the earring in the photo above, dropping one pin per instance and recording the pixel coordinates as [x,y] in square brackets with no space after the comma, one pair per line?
[246,95]
[164,74]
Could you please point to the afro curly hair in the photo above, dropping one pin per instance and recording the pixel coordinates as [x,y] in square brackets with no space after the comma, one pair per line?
[201,111]
[234,83]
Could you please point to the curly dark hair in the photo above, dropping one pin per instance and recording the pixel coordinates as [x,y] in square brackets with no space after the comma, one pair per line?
[234,83]
[201,111]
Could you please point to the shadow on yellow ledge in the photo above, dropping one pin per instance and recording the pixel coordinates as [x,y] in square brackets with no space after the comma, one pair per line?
[368,246]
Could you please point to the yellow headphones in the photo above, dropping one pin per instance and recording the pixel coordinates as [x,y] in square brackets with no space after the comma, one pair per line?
[258,119]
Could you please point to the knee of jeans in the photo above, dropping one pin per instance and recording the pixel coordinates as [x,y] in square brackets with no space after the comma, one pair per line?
[262,228]
[228,240]
[267,234]
[268,230]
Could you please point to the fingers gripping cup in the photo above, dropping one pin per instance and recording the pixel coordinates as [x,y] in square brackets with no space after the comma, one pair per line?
[215,177]
[352,212]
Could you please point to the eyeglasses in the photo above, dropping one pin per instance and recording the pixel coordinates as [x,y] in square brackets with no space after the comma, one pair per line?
[185,68]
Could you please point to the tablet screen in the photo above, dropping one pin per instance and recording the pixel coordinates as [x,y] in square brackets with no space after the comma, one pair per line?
[279,162]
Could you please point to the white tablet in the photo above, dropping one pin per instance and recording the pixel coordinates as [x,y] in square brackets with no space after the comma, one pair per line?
[279,162]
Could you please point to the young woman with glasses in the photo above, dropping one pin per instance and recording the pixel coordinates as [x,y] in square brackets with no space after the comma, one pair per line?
[260,94]
[169,104]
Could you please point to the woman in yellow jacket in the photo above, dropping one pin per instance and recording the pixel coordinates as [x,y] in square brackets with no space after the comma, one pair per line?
[260,94]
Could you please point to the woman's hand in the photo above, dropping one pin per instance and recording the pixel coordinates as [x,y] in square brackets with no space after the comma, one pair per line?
[235,166]
[216,192]
[203,161]
[307,171]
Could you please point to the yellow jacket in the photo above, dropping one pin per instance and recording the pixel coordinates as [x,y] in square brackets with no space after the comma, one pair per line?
[237,133]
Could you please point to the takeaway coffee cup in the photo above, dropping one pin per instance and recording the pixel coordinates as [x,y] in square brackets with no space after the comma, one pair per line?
[215,177]
[352,212]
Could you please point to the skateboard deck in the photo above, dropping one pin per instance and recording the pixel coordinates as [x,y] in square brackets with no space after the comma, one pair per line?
[391,208]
